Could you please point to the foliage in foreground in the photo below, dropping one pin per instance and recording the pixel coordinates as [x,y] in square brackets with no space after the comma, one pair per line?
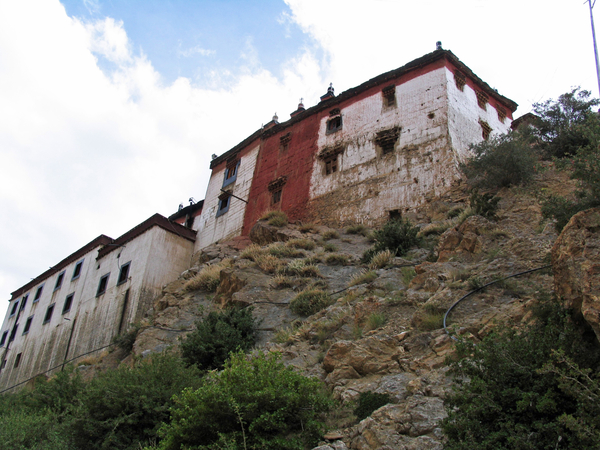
[527,390]
[501,161]
[217,335]
[397,236]
[255,403]
[368,402]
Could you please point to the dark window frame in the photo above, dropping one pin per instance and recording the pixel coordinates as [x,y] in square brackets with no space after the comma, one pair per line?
[460,80]
[334,124]
[231,173]
[224,203]
[276,196]
[17,360]
[3,338]
[49,313]
[23,302]
[331,164]
[68,303]
[102,284]
[124,273]
[38,294]
[482,99]
[13,333]
[27,325]
[13,311]
[77,270]
[389,96]
[486,130]
[59,280]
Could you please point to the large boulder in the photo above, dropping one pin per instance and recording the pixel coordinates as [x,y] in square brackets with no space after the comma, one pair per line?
[576,266]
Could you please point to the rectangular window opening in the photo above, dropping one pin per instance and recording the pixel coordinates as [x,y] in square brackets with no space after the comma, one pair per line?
[48,316]
[460,80]
[485,130]
[3,339]
[389,96]
[284,142]
[334,124]
[231,172]
[23,302]
[77,270]
[123,273]
[13,311]
[68,303]
[102,285]
[27,325]
[482,99]
[59,280]
[501,114]
[38,294]
[13,333]
[386,139]
[17,360]
[276,197]
[224,201]
[331,165]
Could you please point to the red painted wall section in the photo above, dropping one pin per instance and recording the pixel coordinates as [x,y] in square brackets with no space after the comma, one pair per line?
[295,163]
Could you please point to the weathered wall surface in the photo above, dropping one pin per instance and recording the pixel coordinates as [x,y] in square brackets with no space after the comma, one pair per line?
[45,344]
[293,162]
[464,115]
[156,257]
[369,183]
[212,228]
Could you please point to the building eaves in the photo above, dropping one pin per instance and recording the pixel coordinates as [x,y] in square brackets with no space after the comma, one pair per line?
[187,210]
[100,241]
[416,64]
[155,220]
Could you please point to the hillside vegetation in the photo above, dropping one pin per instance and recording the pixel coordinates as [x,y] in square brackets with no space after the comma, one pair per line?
[334,337]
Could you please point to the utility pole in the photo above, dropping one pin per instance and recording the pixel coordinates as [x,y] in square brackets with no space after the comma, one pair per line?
[594,37]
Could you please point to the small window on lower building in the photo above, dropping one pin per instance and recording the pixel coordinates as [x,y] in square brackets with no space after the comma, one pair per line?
[59,280]
[224,201]
[48,316]
[13,333]
[501,114]
[28,325]
[68,303]
[102,285]
[17,360]
[485,130]
[124,273]
[3,338]
[77,270]
[38,293]
[13,311]
[284,142]
[334,124]
[386,139]
[24,302]
[460,80]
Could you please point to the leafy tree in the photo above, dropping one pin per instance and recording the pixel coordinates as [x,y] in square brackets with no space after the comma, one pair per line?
[217,335]
[501,161]
[561,128]
[508,398]
[254,403]
[370,401]
[485,205]
[121,408]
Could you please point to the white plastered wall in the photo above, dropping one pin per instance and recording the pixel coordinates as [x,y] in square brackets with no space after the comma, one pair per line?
[369,183]
[211,228]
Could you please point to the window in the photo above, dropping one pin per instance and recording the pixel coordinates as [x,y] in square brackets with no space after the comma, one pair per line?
[485,130]
[77,270]
[331,165]
[224,201]
[276,196]
[123,273]
[334,124]
[482,99]
[102,285]
[59,280]
[3,339]
[389,96]
[387,139]
[38,293]
[13,333]
[68,303]
[17,360]
[23,302]
[501,114]
[48,315]
[284,142]
[231,172]
[460,80]
[14,309]
[27,325]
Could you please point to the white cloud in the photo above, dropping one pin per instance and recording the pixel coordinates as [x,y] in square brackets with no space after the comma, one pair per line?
[197,50]
[108,39]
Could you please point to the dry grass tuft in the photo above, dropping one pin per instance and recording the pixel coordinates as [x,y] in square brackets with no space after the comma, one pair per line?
[275,218]
[305,244]
[268,263]
[208,278]
[330,234]
[381,259]
[365,276]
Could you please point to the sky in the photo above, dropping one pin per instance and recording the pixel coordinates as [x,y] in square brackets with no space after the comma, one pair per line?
[110,110]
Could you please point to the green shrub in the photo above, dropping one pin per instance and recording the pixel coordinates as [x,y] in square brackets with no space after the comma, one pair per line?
[454,212]
[126,340]
[254,403]
[501,161]
[309,302]
[397,235]
[526,389]
[376,320]
[485,205]
[370,401]
[408,273]
[329,247]
[217,335]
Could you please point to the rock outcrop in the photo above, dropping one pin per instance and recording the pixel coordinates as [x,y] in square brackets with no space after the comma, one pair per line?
[576,266]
